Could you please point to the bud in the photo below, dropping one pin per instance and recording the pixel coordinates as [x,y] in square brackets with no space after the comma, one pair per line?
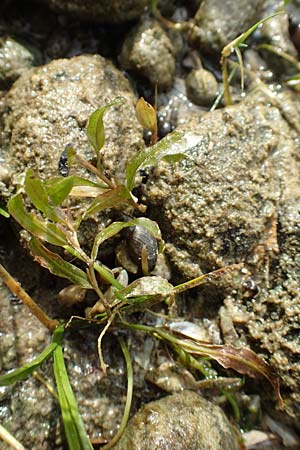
[146,115]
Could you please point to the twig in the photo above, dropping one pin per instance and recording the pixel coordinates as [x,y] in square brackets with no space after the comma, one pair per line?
[17,290]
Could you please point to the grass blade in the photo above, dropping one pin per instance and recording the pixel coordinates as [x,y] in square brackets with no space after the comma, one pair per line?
[73,423]
[23,372]
[10,439]
[129,369]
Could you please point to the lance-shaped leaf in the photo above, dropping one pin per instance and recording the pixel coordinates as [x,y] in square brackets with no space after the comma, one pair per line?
[57,265]
[176,143]
[114,228]
[49,232]
[38,195]
[145,292]
[95,128]
[29,368]
[110,199]
[59,188]
[73,423]
[242,359]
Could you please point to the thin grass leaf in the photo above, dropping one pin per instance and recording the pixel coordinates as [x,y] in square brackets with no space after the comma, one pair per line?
[240,60]
[126,413]
[57,265]
[10,440]
[43,230]
[23,372]
[73,423]
[4,213]
[95,128]
[38,195]
[232,46]
[114,228]
[176,143]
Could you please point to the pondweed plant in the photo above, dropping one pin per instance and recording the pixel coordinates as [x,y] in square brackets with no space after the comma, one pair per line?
[53,241]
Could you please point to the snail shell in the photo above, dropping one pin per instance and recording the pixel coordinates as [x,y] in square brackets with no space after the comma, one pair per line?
[141,244]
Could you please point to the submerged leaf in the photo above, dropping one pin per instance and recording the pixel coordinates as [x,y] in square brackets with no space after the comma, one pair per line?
[58,188]
[95,128]
[144,293]
[114,228]
[57,265]
[43,230]
[110,199]
[38,195]
[176,143]
[243,360]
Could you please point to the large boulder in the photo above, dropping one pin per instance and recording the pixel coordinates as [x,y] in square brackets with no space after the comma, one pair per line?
[234,198]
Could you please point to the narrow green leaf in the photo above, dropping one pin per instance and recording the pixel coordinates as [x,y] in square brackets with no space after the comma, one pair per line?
[38,195]
[4,213]
[58,188]
[176,143]
[95,128]
[43,230]
[27,369]
[73,423]
[110,199]
[57,265]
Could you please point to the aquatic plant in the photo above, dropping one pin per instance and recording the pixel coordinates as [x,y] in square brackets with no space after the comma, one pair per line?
[42,208]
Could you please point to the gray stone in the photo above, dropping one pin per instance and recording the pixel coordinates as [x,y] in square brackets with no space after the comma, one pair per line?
[14,59]
[149,52]
[183,421]
[201,87]
[218,23]
[235,198]
[48,107]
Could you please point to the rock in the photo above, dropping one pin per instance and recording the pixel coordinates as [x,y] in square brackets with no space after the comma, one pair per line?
[107,11]
[15,58]
[183,421]
[48,107]
[201,87]
[234,199]
[148,51]
[218,23]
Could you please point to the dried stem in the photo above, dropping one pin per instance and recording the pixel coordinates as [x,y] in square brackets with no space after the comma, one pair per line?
[17,290]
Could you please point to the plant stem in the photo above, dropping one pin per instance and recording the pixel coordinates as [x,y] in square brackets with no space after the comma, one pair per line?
[17,290]
[10,440]
[96,172]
